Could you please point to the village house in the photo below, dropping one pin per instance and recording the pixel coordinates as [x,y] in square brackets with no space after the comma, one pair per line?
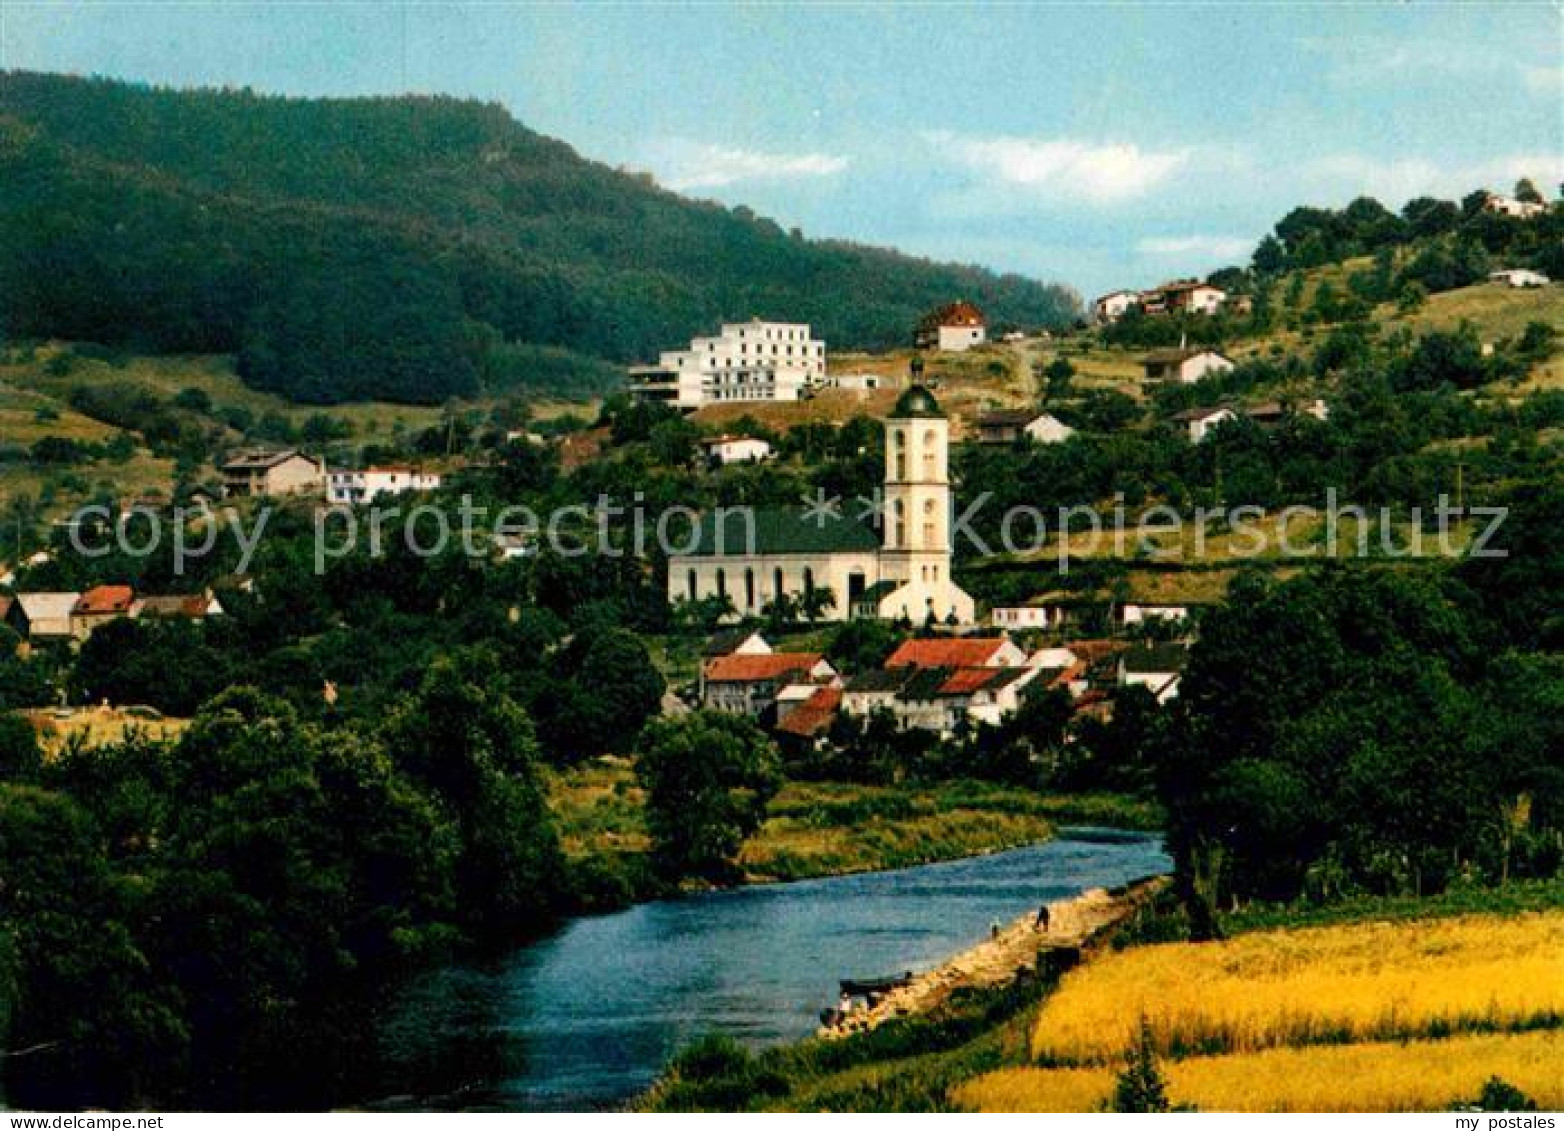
[42,616]
[1006,426]
[749,557]
[744,361]
[1199,422]
[850,382]
[346,487]
[1509,206]
[1185,366]
[1013,618]
[721,450]
[1158,667]
[1183,296]
[952,328]
[1115,305]
[259,473]
[806,723]
[736,642]
[1519,277]
[99,605]
[1270,414]
[751,684]
[178,606]
[935,684]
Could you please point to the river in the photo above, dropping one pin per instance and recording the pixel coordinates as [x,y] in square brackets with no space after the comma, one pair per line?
[587,1017]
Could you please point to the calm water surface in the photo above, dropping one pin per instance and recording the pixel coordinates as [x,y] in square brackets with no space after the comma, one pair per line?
[587,1017]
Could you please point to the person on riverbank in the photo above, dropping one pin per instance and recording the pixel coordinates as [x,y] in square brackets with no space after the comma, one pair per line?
[1041,922]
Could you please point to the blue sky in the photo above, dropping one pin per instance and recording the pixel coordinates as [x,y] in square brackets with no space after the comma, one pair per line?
[1099,145]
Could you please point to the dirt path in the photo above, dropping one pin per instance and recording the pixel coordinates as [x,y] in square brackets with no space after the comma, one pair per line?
[1073,925]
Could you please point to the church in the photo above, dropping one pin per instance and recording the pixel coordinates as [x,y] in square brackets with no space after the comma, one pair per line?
[750,556]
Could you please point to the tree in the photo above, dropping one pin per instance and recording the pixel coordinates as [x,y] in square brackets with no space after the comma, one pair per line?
[708,777]
[1140,1087]
[20,758]
[1526,190]
[1057,376]
[603,688]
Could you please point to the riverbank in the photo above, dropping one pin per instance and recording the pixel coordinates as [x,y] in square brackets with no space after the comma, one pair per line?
[816,829]
[1073,929]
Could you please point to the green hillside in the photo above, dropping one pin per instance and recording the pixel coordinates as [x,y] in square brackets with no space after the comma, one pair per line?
[402,248]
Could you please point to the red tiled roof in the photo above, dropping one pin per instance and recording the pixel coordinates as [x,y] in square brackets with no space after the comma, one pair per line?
[1092,650]
[105,599]
[945,653]
[813,715]
[964,681]
[753,669]
[961,313]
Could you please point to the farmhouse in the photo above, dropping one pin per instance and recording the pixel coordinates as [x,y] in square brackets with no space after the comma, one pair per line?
[178,606]
[827,558]
[1200,421]
[1015,617]
[935,684]
[1114,305]
[350,488]
[1183,296]
[257,473]
[951,328]
[745,361]
[1269,414]
[1518,277]
[98,606]
[42,616]
[1185,366]
[1509,206]
[1010,425]
[735,449]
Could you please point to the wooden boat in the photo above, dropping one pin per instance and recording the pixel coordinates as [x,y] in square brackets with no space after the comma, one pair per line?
[863,987]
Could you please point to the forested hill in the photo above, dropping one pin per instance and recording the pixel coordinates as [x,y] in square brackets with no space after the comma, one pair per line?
[405,248]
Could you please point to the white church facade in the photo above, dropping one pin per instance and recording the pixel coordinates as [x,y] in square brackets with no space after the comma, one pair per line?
[749,556]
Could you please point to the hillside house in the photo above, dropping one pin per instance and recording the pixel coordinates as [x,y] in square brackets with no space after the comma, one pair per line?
[1517,209]
[744,361]
[952,328]
[99,605]
[1013,618]
[721,450]
[806,722]
[851,382]
[263,473]
[1183,296]
[178,606]
[752,684]
[736,642]
[42,616]
[1007,426]
[1199,422]
[1519,277]
[1115,305]
[1270,414]
[1139,612]
[1158,668]
[1185,366]
[346,487]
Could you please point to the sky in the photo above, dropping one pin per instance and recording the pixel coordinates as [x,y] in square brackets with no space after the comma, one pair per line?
[1100,145]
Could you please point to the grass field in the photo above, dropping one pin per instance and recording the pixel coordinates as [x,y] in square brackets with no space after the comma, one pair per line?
[831,828]
[1353,982]
[1373,1077]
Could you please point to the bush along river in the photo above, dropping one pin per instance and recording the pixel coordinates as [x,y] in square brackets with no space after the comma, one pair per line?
[587,1017]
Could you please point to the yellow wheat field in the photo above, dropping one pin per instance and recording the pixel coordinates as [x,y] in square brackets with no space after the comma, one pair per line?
[1419,1076]
[1357,982]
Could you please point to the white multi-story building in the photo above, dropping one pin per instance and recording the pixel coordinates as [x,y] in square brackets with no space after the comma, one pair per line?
[354,487]
[746,361]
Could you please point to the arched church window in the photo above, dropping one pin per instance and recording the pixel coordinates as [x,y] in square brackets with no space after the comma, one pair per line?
[897,528]
[690,584]
[930,454]
[776,583]
[722,583]
[749,589]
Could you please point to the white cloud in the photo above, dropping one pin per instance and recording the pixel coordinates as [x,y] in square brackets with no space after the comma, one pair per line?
[1207,247]
[681,165]
[1066,168]
[1543,80]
